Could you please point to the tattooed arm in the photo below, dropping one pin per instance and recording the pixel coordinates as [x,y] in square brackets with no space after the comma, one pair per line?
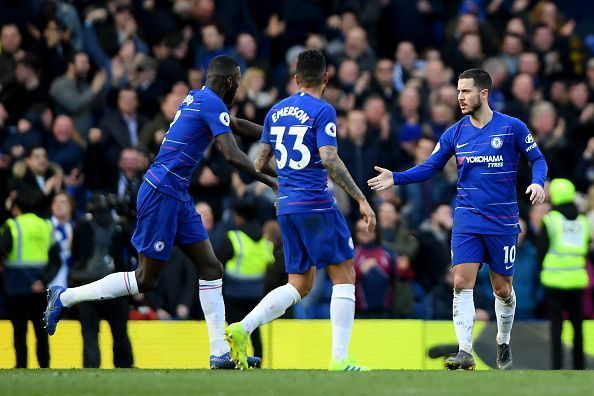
[245,128]
[341,176]
[240,160]
[262,163]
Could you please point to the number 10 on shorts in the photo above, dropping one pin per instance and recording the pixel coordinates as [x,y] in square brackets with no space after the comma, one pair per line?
[510,254]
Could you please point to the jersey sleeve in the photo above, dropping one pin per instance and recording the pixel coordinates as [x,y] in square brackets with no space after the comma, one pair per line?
[265,138]
[527,146]
[525,142]
[326,127]
[442,152]
[216,116]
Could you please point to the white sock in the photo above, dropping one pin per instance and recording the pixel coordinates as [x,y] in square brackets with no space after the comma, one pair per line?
[342,315]
[273,305]
[213,306]
[505,309]
[463,315]
[112,286]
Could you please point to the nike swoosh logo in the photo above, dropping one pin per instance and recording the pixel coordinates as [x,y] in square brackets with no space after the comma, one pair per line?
[461,145]
[506,267]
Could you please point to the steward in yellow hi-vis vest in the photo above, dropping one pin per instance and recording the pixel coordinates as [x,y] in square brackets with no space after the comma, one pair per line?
[563,245]
[25,243]
[247,254]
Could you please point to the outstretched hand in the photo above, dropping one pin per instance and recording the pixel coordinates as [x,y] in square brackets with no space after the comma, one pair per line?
[382,181]
[537,194]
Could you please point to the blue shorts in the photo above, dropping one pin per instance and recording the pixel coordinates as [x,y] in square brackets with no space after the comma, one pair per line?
[318,239]
[499,251]
[164,221]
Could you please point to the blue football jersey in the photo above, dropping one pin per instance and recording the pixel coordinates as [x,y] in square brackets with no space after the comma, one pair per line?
[201,116]
[487,160]
[295,128]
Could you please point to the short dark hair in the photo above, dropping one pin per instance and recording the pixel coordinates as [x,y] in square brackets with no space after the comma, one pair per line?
[246,210]
[222,66]
[73,54]
[218,26]
[29,150]
[311,66]
[24,202]
[480,78]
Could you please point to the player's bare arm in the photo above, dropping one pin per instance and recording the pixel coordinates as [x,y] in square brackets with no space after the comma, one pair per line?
[245,128]
[339,173]
[240,160]
[262,163]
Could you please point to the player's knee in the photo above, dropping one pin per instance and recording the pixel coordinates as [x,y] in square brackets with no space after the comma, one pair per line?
[502,291]
[462,283]
[145,281]
[303,289]
[212,271]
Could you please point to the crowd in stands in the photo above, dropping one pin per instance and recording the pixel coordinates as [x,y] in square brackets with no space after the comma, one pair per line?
[88,89]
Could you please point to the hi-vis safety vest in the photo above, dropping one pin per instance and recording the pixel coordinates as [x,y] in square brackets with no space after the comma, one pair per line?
[564,265]
[31,241]
[250,258]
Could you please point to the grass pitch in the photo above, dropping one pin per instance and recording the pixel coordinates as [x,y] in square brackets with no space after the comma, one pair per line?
[293,382]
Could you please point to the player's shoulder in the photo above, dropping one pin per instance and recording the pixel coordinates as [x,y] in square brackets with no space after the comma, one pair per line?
[206,98]
[455,128]
[505,119]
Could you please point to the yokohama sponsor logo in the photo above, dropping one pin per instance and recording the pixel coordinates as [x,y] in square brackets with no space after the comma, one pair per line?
[479,159]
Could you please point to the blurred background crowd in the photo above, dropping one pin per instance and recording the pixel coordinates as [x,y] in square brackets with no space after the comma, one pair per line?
[89,88]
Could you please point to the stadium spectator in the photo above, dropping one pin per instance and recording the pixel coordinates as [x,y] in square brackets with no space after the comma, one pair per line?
[53,49]
[522,91]
[10,42]
[63,211]
[382,81]
[397,238]
[550,133]
[527,286]
[152,134]
[100,245]
[511,48]
[37,179]
[360,149]
[213,44]
[356,47]
[375,270]
[579,116]
[468,54]
[246,51]
[25,243]
[563,245]
[64,146]
[74,96]
[171,52]
[120,129]
[584,171]
[497,69]
[124,186]
[247,254]
[406,65]
[148,88]
[431,263]
[26,90]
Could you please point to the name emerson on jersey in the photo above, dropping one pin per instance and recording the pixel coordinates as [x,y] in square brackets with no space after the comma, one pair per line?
[294,111]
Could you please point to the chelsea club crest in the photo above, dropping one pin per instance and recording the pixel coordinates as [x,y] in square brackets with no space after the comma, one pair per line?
[496,142]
